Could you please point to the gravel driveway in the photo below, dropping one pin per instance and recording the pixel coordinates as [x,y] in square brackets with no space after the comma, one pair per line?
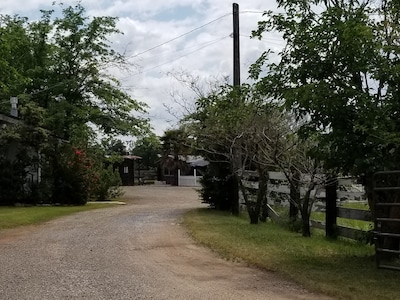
[133,251]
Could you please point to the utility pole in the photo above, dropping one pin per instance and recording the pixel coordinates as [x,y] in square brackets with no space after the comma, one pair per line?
[237,162]
[236,52]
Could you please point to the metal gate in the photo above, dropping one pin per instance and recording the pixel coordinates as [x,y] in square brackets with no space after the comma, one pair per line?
[387,219]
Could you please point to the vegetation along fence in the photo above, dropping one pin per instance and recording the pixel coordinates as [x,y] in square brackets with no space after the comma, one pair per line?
[340,208]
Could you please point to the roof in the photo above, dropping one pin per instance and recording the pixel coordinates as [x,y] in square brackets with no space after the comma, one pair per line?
[134,157]
[196,161]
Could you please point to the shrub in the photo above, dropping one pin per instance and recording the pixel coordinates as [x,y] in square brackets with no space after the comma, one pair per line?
[12,180]
[108,184]
[216,187]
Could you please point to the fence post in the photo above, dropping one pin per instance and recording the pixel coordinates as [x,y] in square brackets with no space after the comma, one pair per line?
[330,201]
[179,177]
[294,196]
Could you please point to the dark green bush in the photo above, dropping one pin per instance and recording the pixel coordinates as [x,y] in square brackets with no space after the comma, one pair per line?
[217,187]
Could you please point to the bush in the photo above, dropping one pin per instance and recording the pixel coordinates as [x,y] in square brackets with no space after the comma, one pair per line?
[108,184]
[12,180]
[216,187]
[72,176]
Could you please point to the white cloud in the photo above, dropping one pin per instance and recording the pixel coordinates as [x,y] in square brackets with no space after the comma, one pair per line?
[149,23]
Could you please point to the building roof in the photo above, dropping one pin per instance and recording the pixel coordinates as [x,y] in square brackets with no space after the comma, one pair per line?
[134,157]
[196,161]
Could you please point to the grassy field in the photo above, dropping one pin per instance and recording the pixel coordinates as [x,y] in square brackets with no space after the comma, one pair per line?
[343,269]
[19,216]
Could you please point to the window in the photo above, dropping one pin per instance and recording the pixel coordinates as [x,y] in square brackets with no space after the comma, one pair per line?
[126,170]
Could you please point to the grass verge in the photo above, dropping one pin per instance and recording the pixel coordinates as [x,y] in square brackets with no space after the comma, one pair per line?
[342,269]
[11,217]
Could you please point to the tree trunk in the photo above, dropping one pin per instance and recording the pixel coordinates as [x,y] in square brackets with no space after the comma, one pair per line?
[305,228]
[234,195]
[176,168]
[305,213]
[253,208]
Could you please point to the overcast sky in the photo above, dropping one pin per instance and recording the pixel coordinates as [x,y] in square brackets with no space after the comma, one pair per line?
[206,52]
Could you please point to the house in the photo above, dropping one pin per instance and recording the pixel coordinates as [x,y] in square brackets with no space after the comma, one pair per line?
[182,172]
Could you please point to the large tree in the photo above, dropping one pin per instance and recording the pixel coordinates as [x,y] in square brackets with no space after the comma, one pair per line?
[62,62]
[59,67]
[339,72]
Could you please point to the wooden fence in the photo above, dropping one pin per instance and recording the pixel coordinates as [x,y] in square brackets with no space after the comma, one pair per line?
[327,198]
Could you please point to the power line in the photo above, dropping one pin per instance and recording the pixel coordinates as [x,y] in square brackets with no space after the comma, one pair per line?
[178,37]
[182,56]
[184,49]
[251,12]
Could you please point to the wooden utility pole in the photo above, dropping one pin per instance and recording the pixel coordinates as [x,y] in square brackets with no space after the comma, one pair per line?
[236,52]
[237,163]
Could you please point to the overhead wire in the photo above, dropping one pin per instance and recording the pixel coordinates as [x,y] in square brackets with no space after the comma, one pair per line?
[182,56]
[180,50]
[180,36]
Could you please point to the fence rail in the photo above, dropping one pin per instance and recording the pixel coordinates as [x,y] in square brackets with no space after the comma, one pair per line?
[345,189]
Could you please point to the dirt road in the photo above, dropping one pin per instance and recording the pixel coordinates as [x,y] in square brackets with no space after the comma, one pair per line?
[133,251]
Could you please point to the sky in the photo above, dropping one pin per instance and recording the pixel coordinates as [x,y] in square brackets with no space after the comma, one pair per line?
[165,39]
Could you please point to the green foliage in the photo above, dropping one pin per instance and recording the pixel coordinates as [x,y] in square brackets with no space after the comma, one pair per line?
[12,180]
[148,148]
[80,176]
[114,147]
[216,186]
[338,71]
[73,178]
[108,185]
[175,143]
[60,63]
[58,67]
[14,42]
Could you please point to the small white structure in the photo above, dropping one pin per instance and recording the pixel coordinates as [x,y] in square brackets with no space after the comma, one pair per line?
[188,180]
[192,180]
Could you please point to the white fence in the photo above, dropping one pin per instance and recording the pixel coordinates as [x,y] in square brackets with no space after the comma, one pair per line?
[188,180]
[347,189]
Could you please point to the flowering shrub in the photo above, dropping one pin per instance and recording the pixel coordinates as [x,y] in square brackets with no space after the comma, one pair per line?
[71,171]
[82,177]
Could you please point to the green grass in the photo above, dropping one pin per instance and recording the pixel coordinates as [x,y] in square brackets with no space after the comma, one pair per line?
[357,224]
[343,269]
[11,217]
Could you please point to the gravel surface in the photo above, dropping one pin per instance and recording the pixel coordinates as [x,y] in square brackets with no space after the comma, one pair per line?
[133,251]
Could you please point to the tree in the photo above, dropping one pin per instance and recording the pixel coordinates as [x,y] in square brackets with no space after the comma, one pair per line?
[231,127]
[338,72]
[148,148]
[59,65]
[174,146]
[14,41]
[114,147]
